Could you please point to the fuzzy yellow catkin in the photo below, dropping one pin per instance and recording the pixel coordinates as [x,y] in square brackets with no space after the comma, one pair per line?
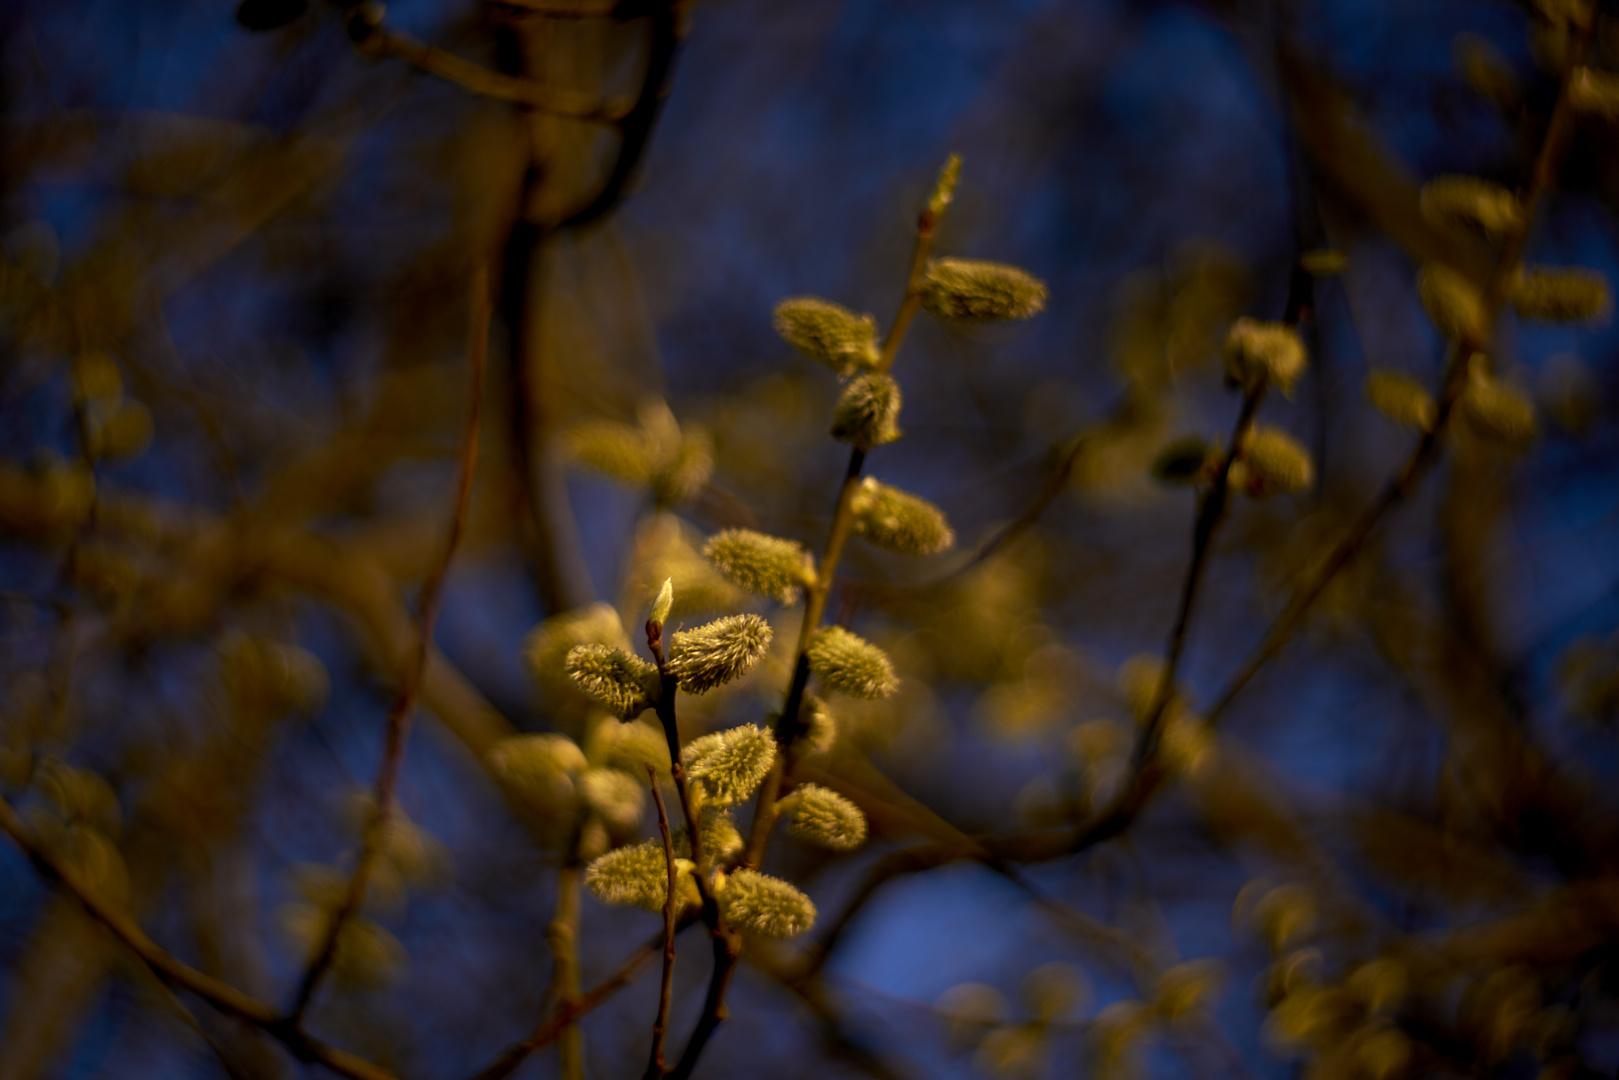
[1595,93]
[721,839]
[898,521]
[728,765]
[1452,302]
[765,905]
[822,817]
[867,411]
[718,652]
[977,289]
[1496,410]
[1473,203]
[619,681]
[637,874]
[1256,350]
[1276,463]
[1402,399]
[850,664]
[828,333]
[1559,294]
[760,563]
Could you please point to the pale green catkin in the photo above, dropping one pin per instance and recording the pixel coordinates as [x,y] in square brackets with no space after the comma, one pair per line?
[1402,399]
[619,681]
[1256,351]
[828,333]
[850,664]
[1452,302]
[976,289]
[1472,203]
[765,905]
[760,563]
[721,839]
[867,411]
[639,875]
[718,652]
[728,765]
[898,521]
[822,817]
[1559,294]
[1496,410]
[1276,463]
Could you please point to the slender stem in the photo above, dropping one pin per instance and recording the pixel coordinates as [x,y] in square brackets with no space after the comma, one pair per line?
[656,1067]
[562,935]
[222,996]
[397,731]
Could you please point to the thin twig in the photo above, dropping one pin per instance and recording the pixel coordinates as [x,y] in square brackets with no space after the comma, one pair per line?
[398,724]
[656,1067]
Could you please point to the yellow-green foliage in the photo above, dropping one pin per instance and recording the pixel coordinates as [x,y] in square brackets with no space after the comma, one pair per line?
[760,563]
[976,289]
[899,521]
[623,683]
[822,817]
[828,333]
[1559,294]
[1473,203]
[867,412]
[1274,463]
[718,652]
[1452,302]
[765,905]
[1402,399]
[850,664]
[726,766]
[1258,351]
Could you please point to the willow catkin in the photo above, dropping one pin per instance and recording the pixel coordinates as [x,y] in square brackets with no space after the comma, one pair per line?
[850,664]
[765,905]
[760,563]
[728,765]
[1258,351]
[828,333]
[981,290]
[718,652]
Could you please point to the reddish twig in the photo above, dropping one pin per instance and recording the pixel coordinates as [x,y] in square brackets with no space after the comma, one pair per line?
[656,1067]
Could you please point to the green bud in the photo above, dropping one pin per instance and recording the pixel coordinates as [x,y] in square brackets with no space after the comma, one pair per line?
[1452,303]
[828,333]
[945,189]
[867,412]
[665,601]
[762,564]
[1256,351]
[621,682]
[1496,410]
[1186,460]
[850,664]
[1472,203]
[728,765]
[718,652]
[639,875]
[765,905]
[1594,93]
[823,817]
[1402,399]
[617,796]
[900,522]
[1559,295]
[1275,463]
[975,289]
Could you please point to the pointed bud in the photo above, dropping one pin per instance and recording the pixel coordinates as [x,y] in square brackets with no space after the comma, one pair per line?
[639,875]
[765,905]
[617,796]
[1559,295]
[1402,399]
[850,664]
[1594,93]
[1452,303]
[828,333]
[718,652]
[1256,350]
[945,189]
[1497,410]
[762,564]
[665,601]
[1471,203]
[728,765]
[616,679]
[823,817]
[900,522]
[1276,463]
[867,412]
[976,289]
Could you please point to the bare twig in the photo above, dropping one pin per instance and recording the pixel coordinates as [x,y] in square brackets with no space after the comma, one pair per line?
[398,723]
[656,1067]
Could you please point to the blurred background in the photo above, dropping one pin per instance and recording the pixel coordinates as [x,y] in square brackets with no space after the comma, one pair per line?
[238,249]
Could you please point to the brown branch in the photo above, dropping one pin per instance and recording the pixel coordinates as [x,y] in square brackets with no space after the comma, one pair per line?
[398,723]
[175,972]
[656,1067]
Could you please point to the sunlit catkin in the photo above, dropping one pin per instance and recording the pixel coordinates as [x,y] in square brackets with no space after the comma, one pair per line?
[976,289]
[718,652]
[728,765]
[822,817]
[619,681]
[1472,203]
[1452,302]
[898,521]
[850,664]
[1276,463]
[760,563]
[1402,399]
[765,905]
[1559,294]
[639,875]
[828,333]
[1258,351]
[867,412]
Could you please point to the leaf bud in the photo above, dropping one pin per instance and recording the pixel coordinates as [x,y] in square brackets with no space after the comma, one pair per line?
[1402,399]
[850,664]
[1472,203]
[718,652]
[665,601]
[823,817]
[1559,295]
[765,905]
[1258,351]
[760,563]
[1452,302]
[828,333]
[867,411]
[945,189]
[728,765]
[621,682]
[898,521]
[976,289]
